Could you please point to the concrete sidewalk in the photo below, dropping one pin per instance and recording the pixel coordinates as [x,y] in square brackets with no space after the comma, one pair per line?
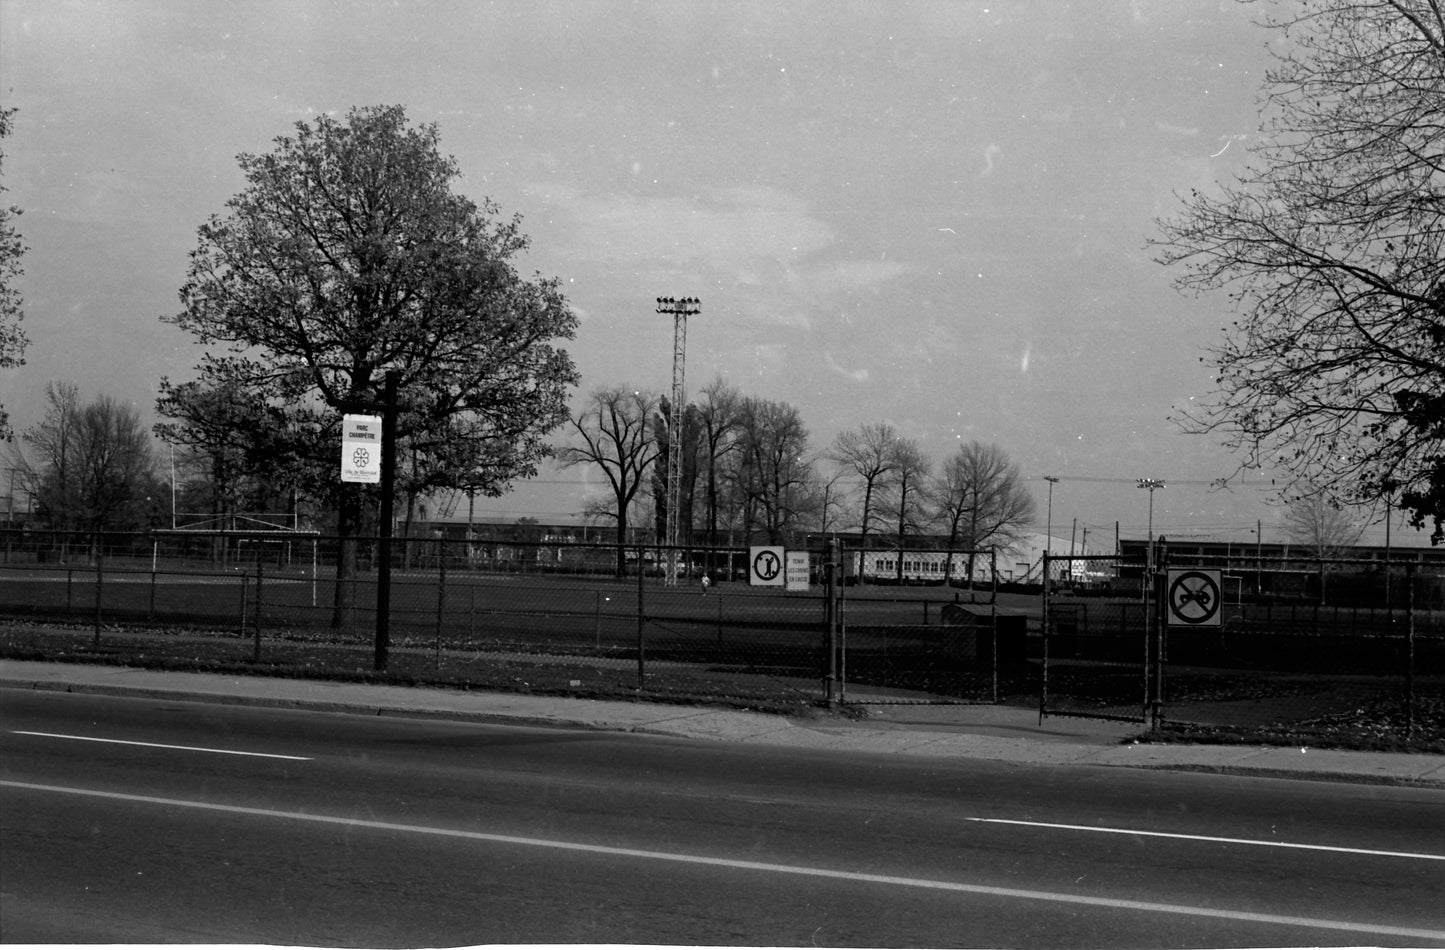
[997,733]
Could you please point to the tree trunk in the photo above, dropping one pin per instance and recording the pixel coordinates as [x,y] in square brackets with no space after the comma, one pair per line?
[347,521]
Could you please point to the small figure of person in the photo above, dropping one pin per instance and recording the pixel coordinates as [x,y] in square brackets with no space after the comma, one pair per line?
[706,583]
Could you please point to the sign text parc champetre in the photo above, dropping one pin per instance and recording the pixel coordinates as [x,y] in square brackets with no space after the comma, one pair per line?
[361,449]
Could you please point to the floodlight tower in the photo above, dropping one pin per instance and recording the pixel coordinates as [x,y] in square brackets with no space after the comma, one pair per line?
[680,309]
[1150,485]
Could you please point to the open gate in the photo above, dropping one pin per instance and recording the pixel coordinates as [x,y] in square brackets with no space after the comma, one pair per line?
[1100,638]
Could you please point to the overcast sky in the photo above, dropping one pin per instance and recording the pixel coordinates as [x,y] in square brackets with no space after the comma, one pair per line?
[930,214]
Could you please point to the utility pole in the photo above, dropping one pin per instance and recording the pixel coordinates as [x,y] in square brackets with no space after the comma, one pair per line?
[680,309]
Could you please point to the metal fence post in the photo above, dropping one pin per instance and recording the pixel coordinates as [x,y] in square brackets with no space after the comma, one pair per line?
[1410,650]
[1159,631]
[641,618]
[441,598]
[842,646]
[993,617]
[245,603]
[256,652]
[1044,636]
[830,624]
[99,588]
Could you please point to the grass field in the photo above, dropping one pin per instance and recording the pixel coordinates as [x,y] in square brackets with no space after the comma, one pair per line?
[754,648]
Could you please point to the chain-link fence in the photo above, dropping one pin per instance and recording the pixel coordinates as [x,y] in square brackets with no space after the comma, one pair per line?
[468,610]
[1304,645]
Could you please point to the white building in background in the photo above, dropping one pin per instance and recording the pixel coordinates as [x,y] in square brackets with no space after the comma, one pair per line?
[1024,561]
[1021,562]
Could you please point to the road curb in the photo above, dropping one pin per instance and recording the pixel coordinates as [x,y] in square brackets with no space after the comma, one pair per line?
[1261,771]
[661,729]
[310,705]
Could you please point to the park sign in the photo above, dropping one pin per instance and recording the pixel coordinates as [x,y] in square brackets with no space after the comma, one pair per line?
[765,566]
[361,449]
[774,566]
[1195,598]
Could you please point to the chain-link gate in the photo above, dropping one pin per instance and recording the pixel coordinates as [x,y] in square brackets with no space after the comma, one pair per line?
[1304,644]
[921,626]
[1100,646]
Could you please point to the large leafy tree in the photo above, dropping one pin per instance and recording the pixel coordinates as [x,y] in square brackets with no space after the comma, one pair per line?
[1330,248]
[349,255]
[12,248]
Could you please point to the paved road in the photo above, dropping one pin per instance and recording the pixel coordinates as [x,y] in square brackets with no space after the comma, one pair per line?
[143,820]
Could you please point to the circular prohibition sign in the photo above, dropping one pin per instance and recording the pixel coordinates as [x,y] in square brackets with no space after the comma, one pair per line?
[766,565]
[1193,598]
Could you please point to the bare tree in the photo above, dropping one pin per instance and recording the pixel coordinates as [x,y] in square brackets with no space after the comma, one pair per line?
[1319,522]
[1331,246]
[717,415]
[93,468]
[981,496]
[911,473]
[867,453]
[774,475]
[615,429]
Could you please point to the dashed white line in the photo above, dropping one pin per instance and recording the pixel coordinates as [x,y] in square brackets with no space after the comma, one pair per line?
[162,745]
[825,873]
[1416,855]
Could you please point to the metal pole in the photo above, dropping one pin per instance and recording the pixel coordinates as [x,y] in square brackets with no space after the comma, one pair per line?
[1409,649]
[1049,523]
[641,620]
[1044,671]
[256,653]
[830,681]
[388,477]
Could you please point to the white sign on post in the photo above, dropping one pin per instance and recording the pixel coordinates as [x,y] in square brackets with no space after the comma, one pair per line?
[765,566]
[361,449]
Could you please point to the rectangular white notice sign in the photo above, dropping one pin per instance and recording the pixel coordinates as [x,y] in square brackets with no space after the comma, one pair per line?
[361,449]
[797,570]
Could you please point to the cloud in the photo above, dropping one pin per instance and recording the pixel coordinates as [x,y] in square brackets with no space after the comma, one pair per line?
[856,375]
[853,275]
[725,229]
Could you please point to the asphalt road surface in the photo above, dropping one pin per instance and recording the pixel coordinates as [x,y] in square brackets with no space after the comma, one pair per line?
[137,821]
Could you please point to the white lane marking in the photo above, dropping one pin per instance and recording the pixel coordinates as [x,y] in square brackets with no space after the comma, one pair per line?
[1416,855]
[161,745]
[851,876]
